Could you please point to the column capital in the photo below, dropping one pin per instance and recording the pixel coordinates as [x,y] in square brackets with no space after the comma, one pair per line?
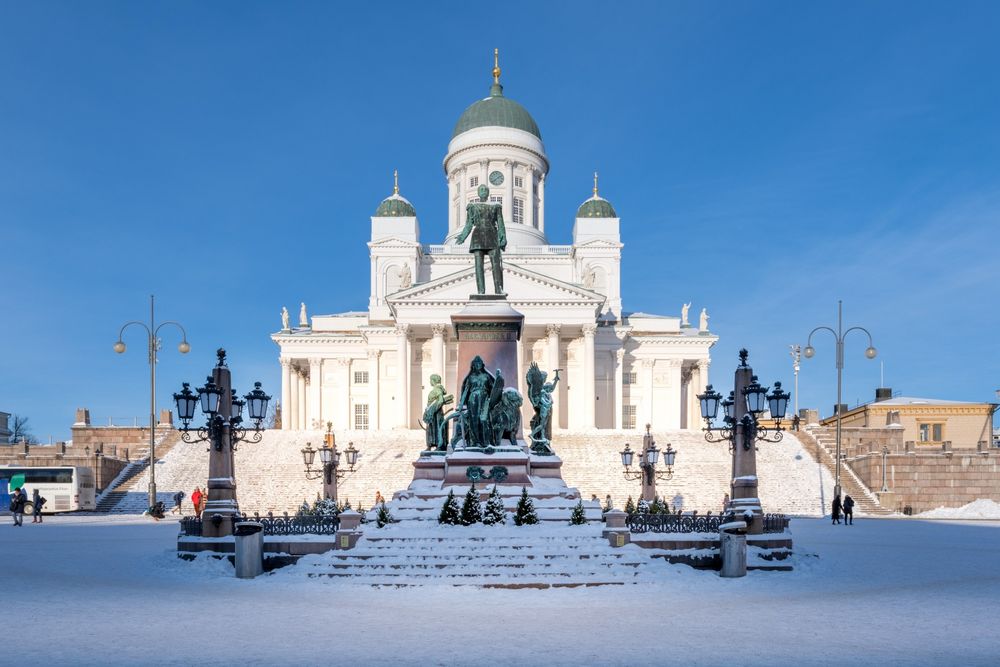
[439,330]
[402,329]
[374,354]
[552,329]
[315,362]
[589,330]
[703,364]
[285,362]
[344,361]
[647,363]
[673,363]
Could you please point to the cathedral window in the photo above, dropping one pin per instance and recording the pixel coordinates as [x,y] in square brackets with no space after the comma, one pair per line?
[629,378]
[518,182]
[360,377]
[628,416]
[361,416]
[496,199]
[518,210]
[473,181]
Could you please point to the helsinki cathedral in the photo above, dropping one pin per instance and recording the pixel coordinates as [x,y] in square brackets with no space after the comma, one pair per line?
[620,369]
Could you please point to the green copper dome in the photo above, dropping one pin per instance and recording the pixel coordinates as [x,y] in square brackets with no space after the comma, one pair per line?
[395,206]
[496,111]
[596,207]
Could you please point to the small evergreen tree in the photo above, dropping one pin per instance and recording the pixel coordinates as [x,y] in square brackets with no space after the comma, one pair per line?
[578,517]
[656,507]
[629,506]
[525,514]
[304,509]
[450,512]
[325,507]
[472,508]
[383,518]
[495,513]
[642,507]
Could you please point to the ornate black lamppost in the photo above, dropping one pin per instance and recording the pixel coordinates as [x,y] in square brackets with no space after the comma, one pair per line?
[223,430]
[647,471]
[810,351]
[742,429]
[330,458]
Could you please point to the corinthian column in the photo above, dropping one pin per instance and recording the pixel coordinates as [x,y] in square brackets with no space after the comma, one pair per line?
[374,390]
[286,393]
[343,409]
[302,411]
[673,406]
[437,350]
[647,392]
[315,390]
[402,375]
[552,331]
[619,387]
[589,394]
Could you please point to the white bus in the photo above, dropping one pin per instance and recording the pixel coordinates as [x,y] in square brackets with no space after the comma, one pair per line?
[65,488]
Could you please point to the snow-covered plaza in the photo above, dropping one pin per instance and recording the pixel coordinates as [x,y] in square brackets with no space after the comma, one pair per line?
[111,591]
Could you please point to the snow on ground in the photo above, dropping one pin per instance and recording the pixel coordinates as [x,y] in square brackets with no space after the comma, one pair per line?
[983,508]
[93,591]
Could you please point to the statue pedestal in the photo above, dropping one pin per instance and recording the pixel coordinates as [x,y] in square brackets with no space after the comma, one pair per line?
[489,328]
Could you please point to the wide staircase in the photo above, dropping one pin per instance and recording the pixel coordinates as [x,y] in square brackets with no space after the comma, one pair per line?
[488,557]
[127,493]
[821,443]
[270,474]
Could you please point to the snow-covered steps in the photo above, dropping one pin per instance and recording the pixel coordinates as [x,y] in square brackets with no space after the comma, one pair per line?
[540,556]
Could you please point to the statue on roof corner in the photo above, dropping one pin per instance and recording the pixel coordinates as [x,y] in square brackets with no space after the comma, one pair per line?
[484,220]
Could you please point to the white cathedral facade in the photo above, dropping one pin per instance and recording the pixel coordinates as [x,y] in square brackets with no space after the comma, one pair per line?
[371,370]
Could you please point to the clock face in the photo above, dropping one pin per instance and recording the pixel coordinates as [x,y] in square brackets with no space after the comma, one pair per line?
[496,178]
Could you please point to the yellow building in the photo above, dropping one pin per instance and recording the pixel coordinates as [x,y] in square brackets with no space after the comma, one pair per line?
[927,422]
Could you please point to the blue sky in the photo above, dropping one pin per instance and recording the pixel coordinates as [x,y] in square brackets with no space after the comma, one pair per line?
[766,160]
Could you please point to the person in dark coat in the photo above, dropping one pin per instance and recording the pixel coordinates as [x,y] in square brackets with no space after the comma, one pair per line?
[848,510]
[36,503]
[17,502]
[836,509]
[178,499]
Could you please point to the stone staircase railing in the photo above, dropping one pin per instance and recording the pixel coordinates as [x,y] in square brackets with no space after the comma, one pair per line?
[820,441]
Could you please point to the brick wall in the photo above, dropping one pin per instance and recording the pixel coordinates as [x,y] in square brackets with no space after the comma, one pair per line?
[925,481]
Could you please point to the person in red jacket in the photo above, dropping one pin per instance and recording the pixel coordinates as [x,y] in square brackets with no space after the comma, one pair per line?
[196,500]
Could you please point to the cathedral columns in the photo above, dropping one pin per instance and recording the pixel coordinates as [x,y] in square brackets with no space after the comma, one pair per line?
[541,203]
[315,390]
[619,388]
[589,388]
[302,407]
[286,393]
[463,197]
[452,204]
[508,192]
[374,389]
[673,406]
[647,392]
[552,331]
[342,413]
[529,200]
[402,376]
[437,350]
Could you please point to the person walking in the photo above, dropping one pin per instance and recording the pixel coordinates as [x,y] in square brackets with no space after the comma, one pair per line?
[37,502]
[848,510]
[725,502]
[836,509]
[196,500]
[178,499]
[17,502]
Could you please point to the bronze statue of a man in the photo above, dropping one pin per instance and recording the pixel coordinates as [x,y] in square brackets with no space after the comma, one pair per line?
[485,222]
[434,417]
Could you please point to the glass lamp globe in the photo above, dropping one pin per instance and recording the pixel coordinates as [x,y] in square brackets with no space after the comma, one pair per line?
[871,352]
[809,352]
[119,347]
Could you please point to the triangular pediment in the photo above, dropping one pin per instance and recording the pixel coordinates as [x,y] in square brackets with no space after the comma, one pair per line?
[392,242]
[522,286]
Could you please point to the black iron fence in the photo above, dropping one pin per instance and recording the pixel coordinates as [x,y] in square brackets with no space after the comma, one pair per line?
[285,524]
[695,523]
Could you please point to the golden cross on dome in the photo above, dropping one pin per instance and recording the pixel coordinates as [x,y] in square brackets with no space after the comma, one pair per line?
[496,65]
[395,181]
[595,183]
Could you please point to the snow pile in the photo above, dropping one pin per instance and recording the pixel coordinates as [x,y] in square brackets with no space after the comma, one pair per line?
[977,509]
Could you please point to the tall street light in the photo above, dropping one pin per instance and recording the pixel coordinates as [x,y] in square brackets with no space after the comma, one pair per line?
[152,346]
[647,471]
[810,351]
[742,429]
[223,430]
[330,458]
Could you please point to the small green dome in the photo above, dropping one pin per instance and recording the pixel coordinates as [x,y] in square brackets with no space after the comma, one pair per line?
[496,111]
[596,207]
[395,206]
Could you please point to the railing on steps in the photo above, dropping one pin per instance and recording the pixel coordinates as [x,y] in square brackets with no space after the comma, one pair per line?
[694,523]
[296,524]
